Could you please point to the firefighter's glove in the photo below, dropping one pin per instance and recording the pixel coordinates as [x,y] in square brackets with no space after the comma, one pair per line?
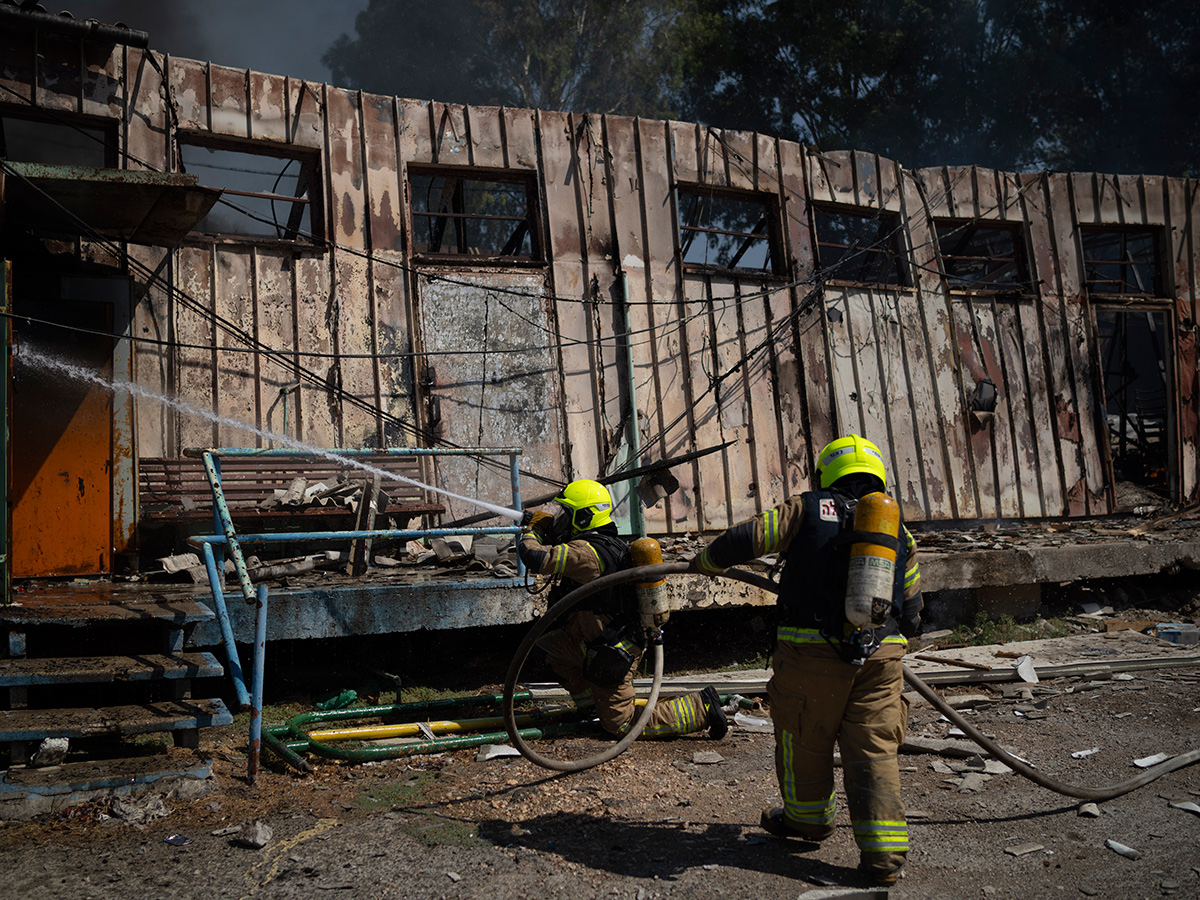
[538,522]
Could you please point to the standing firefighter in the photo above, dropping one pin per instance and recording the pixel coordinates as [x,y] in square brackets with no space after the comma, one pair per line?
[594,654]
[838,660]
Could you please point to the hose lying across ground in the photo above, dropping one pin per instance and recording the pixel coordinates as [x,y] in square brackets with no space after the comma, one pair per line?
[653,573]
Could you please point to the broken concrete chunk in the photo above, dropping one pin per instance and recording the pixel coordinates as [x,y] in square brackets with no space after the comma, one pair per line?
[1024,849]
[1080,754]
[1187,805]
[1026,671]
[707,758]
[180,562]
[255,834]
[50,752]
[495,751]
[1089,810]
[973,782]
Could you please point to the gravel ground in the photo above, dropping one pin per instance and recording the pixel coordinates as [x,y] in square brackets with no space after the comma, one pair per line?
[660,821]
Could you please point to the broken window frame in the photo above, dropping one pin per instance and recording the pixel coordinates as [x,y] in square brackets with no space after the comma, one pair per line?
[97,135]
[971,228]
[766,231]
[308,197]
[1095,286]
[459,179]
[889,227]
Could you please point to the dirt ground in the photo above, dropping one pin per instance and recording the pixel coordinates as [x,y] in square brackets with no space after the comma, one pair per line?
[661,820]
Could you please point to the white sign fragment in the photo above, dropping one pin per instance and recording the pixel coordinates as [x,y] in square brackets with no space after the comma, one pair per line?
[1147,761]
[1080,754]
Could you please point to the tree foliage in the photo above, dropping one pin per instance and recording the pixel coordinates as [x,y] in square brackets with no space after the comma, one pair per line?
[1014,84]
[581,55]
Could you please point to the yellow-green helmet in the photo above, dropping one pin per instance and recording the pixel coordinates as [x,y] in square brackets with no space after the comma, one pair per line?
[588,503]
[848,455]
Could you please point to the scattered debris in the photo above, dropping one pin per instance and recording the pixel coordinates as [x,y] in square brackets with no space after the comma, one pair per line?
[177,840]
[752,723]
[1024,849]
[1026,670]
[1127,852]
[1089,810]
[133,814]
[454,876]
[1187,805]
[225,832]
[1147,761]
[255,834]
[495,751]
[50,752]
[707,758]
[1081,754]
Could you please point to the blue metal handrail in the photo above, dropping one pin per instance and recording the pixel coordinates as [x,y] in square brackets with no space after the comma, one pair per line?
[226,538]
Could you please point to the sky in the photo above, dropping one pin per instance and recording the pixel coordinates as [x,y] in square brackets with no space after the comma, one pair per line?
[281,37]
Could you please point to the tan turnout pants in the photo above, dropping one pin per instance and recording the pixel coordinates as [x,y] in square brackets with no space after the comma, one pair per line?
[817,700]
[567,651]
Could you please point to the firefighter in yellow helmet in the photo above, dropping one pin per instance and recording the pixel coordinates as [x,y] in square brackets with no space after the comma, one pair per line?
[595,651]
[833,681]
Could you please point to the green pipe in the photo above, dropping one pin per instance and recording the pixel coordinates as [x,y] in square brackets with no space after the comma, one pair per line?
[285,751]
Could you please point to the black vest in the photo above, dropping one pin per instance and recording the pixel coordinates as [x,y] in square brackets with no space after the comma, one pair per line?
[812,587]
[615,556]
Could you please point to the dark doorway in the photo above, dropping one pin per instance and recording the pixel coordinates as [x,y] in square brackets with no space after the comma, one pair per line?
[1136,357]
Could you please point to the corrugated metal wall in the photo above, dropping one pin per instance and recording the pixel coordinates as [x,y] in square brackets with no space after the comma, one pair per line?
[778,365]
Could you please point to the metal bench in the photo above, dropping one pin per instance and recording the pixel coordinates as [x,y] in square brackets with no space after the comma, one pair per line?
[174,489]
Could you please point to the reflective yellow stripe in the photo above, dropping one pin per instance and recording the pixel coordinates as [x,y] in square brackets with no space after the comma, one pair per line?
[795,635]
[770,531]
[706,564]
[560,559]
[880,835]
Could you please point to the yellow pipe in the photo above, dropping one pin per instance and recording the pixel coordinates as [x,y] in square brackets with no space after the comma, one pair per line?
[413,729]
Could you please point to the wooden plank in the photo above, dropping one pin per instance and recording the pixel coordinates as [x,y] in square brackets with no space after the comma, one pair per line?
[713,165]
[838,167]
[972,371]
[355,344]
[889,185]
[670,410]
[108,669]
[393,341]
[765,482]
[1110,205]
[820,189]
[1024,424]
[347,201]
[485,135]
[840,333]
[229,104]
[268,107]
[951,431]
[520,139]
[1085,197]
[934,192]
[236,382]
[189,92]
[866,187]
[712,503]
[167,715]
[1153,192]
[736,419]
[1009,194]
[196,365]
[904,473]
[987,198]
[59,75]
[153,365]
[685,152]
[1183,203]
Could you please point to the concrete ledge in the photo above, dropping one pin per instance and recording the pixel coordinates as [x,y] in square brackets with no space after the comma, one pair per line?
[1039,565]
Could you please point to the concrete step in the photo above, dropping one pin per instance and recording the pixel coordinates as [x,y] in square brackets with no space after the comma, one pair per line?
[106,669]
[169,612]
[144,718]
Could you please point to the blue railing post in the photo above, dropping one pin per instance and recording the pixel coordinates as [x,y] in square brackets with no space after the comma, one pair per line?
[256,685]
[215,580]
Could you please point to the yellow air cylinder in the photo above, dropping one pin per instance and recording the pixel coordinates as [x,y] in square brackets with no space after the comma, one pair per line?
[651,595]
[872,572]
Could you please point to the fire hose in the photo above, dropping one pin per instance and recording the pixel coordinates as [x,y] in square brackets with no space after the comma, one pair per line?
[651,573]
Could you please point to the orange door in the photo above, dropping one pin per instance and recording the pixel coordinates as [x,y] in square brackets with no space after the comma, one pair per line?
[61,441]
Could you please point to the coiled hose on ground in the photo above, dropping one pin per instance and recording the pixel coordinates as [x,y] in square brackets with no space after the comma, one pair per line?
[653,573]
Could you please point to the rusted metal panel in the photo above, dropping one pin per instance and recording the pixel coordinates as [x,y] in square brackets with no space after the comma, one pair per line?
[520,138]
[147,131]
[736,419]
[740,167]
[306,112]
[763,482]
[669,412]
[865,168]
[685,152]
[934,192]
[1085,198]
[923,482]
[153,365]
[268,107]
[229,105]
[18,54]
[899,399]
[713,161]
[393,341]
[347,203]
[1153,191]
[237,383]
[987,198]
[561,178]
[493,400]
[485,132]
[1008,192]
[354,339]
[766,164]
[820,184]
[196,367]
[316,310]
[968,316]
[386,210]
[60,81]
[448,128]
[839,169]
[189,92]
[951,428]
[273,307]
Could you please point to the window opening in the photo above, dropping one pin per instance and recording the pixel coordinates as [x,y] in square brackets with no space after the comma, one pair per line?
[1121,261]
[264,194]
[985,258]
[861,247]
[57,142]
[482,216]
[725,231]
[1134,347]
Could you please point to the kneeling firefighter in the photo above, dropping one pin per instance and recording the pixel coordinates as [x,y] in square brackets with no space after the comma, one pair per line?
[849,595]
[595,653]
